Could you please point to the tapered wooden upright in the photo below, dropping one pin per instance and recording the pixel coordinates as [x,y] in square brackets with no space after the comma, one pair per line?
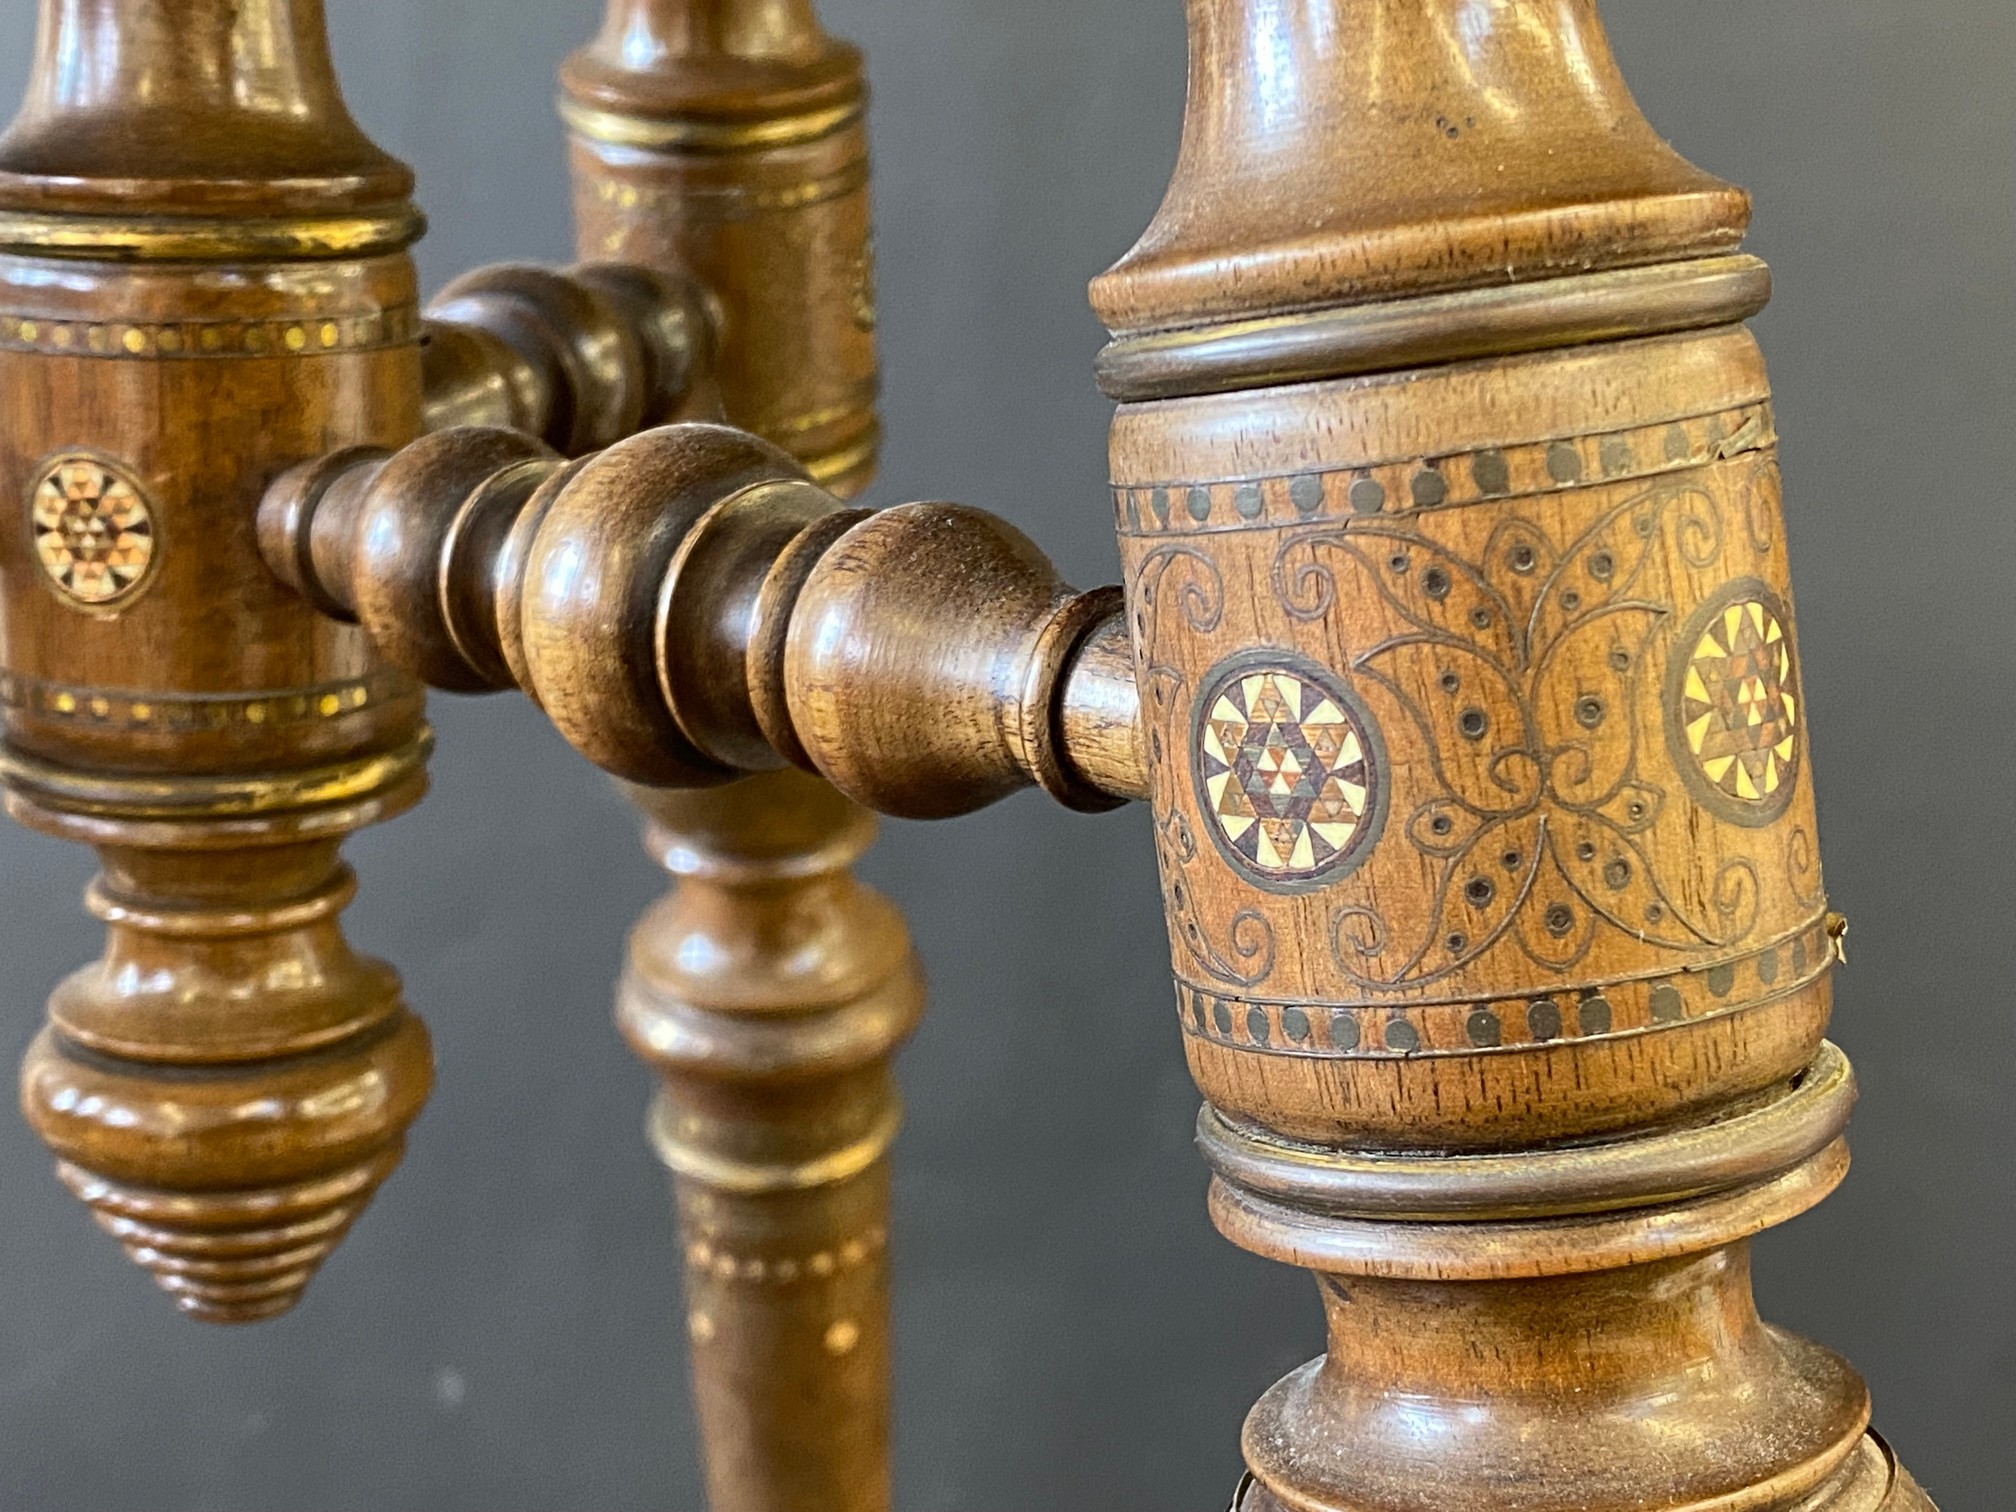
[1446,481]
[203,279]
[725,139]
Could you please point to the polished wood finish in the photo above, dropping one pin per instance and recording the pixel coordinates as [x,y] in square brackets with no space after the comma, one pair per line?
[687,607]
[229,1083]
[727,137]
[1449,510]
[1456,657]
[579,358]
[770,990]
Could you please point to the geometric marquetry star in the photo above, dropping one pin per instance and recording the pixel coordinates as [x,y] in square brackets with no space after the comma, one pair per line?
[94,534]
[1737,706]
[1285,772]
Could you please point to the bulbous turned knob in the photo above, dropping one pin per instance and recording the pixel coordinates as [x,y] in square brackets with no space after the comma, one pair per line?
[687,607]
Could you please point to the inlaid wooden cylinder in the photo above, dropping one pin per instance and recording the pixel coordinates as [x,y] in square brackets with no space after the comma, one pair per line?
[1479,748]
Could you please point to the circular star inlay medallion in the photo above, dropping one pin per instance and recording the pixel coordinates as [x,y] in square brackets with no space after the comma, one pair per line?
[93,531]
[1289,769]
[1733,704]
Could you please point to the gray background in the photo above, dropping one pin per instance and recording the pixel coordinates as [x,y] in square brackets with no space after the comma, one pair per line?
[502,1331]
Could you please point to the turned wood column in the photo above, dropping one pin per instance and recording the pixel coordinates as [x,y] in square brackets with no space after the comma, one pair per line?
[1448,496]
[726,139]
[203,279]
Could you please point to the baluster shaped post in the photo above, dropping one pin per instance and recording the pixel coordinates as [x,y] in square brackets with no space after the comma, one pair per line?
[1449,506]
[203,279]
[725,139]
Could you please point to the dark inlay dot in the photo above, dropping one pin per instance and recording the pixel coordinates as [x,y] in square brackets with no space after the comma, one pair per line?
[1617,873]
[1450,682]
[1295,1024]
[1306,494]
[1602,566]
[1344,1030]
[1158,501]
[1571,601]
[1564,463]
[1522,558]
[1585,851]
[1402,1036]
[1472,723]
[1677,444]
[1617,456]
[1221,1015]
[1559,919]
[1543,1019]
[1481,618]
[1767,967]
[1484,1029]
[1721,979]
[1368,496]
[1257,1028]
[1435,582]
[1457,943]
[1589,711]
[1620,659]
[1429,488]
[1478,892]
[1798,958]
[1654,912]
[1635,810]
[1593,1014]
[1492,472]
[1667,1008]
[1397,561]
[1198,502]
[1248,501]
[1511,858]
[1441,824]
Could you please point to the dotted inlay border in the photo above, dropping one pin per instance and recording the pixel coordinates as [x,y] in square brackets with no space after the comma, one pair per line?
[1367,1032]
[705,1256]
[287,335]
[122,709]
[1424,483]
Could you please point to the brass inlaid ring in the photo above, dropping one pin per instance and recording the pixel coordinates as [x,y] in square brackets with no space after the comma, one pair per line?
[194,239]
[617,129]
[1405,333]
[211,797]
[750,1177]
[1679,1164]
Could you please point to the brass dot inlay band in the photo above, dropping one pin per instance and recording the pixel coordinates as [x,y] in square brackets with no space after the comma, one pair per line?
[136,709]
[292,335]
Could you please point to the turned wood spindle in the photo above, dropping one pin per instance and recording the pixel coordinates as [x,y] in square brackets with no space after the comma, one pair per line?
[205,279]
[1446,481]
[687,607]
